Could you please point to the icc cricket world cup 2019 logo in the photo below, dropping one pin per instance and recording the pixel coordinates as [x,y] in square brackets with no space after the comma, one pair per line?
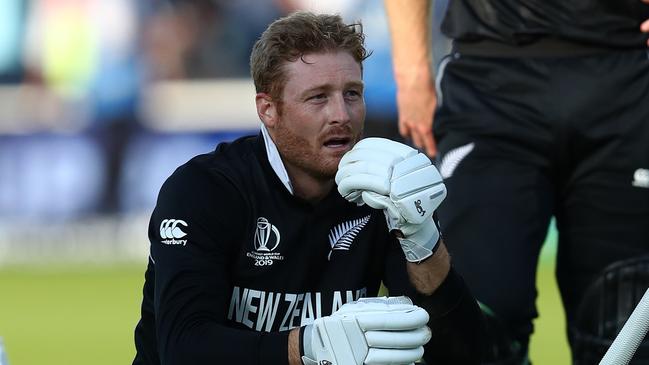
[263,235]
[266,241]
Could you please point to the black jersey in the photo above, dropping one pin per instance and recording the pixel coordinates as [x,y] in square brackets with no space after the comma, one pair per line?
[237,260]
[608,23]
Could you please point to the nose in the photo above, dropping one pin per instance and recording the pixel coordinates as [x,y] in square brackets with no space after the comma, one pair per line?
[339,110]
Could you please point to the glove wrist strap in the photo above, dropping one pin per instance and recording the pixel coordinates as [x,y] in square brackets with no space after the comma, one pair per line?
[306,352]
[422,244]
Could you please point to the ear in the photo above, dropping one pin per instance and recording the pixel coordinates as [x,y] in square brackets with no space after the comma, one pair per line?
[266,109]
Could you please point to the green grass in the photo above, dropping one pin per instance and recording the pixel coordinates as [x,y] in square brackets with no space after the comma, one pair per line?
[549,344]
[86,315]
[69,315]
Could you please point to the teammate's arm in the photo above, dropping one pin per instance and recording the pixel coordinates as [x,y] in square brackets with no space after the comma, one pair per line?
[410,31]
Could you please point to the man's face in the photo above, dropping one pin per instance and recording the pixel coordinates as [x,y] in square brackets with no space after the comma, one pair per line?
[322,113]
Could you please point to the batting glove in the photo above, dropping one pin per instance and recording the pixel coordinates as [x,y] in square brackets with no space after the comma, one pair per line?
[373,331]
[396,178]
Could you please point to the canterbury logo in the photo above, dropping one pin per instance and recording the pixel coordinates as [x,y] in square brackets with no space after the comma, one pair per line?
[342,236]
[453,158]
[169,229]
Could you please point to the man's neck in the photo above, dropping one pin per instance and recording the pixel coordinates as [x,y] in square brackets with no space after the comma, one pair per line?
[307,186]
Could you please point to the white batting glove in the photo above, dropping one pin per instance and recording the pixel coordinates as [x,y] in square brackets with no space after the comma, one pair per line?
[373,331]
[396,178]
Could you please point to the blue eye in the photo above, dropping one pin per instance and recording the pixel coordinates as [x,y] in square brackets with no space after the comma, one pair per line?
[352,94]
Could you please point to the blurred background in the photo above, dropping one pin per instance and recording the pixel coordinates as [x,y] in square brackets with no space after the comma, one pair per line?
[100,100]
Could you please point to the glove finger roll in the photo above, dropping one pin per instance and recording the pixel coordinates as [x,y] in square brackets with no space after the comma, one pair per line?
[378,356]
[363,175]
[380,170]
[394,320]
[374,305]
[398,339]
[362,182]
[355,196]
[381,156]
[392,301]
[378,201]
[383,144]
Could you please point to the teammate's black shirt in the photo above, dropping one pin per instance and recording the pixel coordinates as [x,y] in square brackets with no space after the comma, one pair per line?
[608,23]
[237,260]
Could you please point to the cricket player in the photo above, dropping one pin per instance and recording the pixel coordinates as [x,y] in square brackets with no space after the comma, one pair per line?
[272,248]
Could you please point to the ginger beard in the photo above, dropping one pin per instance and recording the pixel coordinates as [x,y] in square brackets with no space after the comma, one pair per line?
[312,156]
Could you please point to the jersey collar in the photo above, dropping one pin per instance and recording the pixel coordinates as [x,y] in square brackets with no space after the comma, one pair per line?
[275,160]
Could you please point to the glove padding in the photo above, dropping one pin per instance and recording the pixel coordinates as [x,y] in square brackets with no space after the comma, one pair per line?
[386,330]
[396,178]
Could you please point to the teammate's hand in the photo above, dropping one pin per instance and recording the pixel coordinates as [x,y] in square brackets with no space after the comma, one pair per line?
[396,178]
[386,330]
[416,103]
[644,27]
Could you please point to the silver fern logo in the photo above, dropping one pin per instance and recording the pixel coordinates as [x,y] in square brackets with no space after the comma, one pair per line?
[342,236]
[453,158]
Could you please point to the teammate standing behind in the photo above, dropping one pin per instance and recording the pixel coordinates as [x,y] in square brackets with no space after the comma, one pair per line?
[254,251]
[542,110]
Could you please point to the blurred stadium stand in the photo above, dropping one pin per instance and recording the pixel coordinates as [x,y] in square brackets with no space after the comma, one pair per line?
[49,177]
[151,158]
[53,168]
